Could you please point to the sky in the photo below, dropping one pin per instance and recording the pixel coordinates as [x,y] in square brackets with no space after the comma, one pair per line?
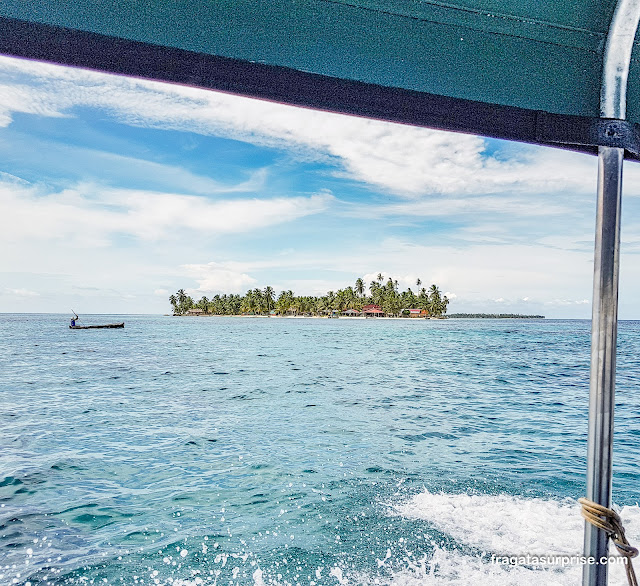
[116,192]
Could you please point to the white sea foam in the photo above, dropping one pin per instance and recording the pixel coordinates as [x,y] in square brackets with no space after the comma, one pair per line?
[502,525]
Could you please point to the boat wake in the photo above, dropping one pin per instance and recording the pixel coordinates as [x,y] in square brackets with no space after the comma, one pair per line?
[485,529]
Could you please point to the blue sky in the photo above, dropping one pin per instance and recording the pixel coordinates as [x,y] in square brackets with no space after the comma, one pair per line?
[116,192]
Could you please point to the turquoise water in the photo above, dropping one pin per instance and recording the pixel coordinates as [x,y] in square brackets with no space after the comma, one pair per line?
[192,451]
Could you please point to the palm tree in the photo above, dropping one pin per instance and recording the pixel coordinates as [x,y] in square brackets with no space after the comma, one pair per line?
[388,298]
[423,300]
[377,291]
[445,302]
[352,299]
[342,299]
[216,305]
[259,300]
[204,304]
[418,282]
[185,303]
[174,303]
[380,277]
[435,301]
[284,302]
[330,300]
[269,295]
[409,300]
[359,287]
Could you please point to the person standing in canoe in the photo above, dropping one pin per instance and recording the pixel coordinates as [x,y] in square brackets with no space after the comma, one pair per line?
[74,318]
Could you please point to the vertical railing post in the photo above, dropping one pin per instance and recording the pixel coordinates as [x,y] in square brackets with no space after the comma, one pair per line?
[604,328]
[604,325]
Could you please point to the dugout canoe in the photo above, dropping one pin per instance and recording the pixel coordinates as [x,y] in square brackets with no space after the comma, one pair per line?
[120,325]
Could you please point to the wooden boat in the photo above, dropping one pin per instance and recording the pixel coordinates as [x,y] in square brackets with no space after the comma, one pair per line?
[120,325]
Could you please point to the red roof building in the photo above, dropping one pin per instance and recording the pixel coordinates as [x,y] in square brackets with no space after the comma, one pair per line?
[418,313]
[372,311]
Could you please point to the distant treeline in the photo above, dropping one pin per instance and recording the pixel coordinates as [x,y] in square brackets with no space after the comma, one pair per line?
[386,295]
[495,316]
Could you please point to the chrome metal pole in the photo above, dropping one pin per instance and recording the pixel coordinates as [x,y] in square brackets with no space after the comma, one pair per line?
[604,329]
[604,324]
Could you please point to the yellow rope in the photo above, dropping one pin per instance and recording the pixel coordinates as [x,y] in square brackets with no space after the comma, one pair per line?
[610,522]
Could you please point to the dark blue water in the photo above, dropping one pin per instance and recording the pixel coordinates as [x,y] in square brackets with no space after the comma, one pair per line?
[298,451]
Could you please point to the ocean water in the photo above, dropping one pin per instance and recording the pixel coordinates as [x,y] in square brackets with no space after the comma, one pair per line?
[238,451]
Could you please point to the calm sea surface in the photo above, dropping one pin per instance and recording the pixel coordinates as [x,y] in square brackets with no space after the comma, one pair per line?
[190,451]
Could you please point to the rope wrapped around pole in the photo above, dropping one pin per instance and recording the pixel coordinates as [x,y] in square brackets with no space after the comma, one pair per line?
[611,523]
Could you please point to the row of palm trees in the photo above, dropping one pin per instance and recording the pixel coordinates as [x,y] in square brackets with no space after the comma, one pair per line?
[386,294]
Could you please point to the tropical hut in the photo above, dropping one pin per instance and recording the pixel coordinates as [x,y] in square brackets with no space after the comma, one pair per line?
[416,313]
[372,311]
[351,313]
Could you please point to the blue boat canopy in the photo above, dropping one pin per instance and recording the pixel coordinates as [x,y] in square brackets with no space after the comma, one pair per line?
[512,69]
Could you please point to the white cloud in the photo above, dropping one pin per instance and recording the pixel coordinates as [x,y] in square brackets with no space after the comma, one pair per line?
[20,292]
[405,160]
[153,215]
[91,215]
[566,302]
[517,205]
[216,277]
[25,100]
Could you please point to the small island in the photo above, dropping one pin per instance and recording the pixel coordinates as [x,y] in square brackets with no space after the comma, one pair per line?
[493,316]
[384,299]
